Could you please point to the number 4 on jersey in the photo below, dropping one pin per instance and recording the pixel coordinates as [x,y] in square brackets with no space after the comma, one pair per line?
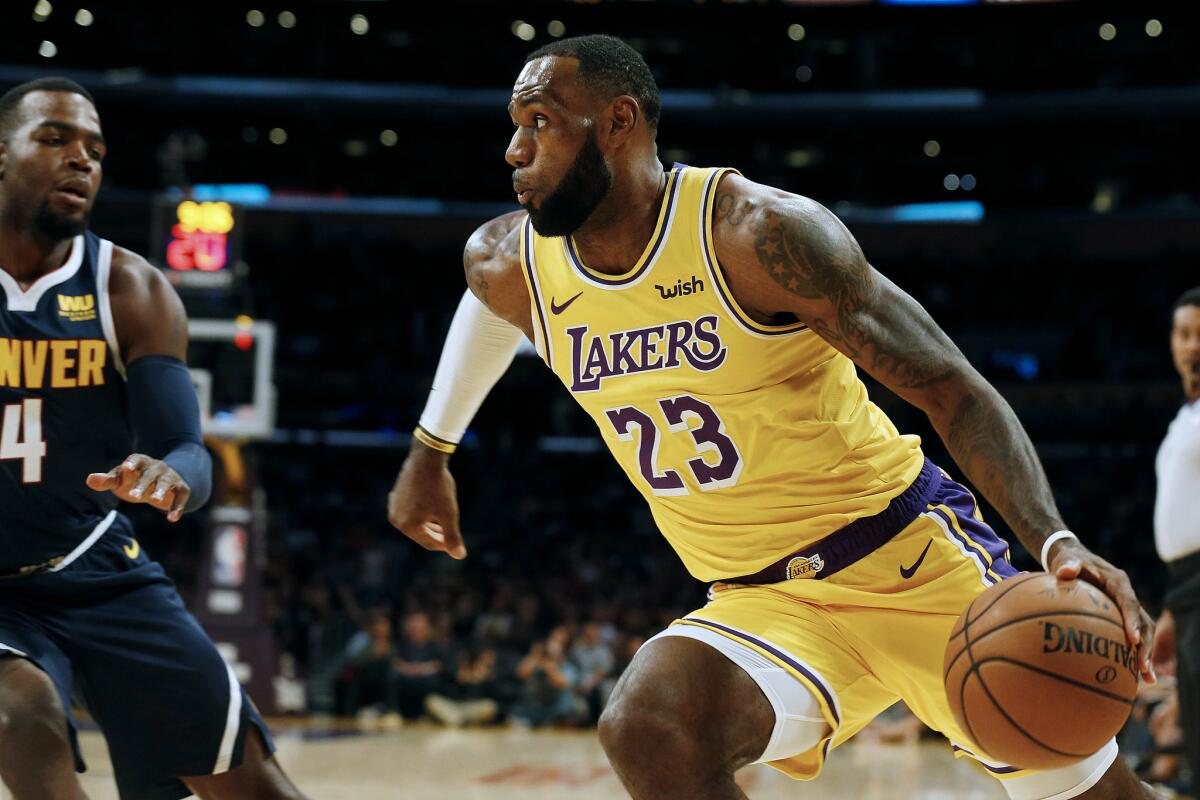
[709,436]
[26,444]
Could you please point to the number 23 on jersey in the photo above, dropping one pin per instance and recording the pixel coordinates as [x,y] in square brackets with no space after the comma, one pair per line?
[709,437]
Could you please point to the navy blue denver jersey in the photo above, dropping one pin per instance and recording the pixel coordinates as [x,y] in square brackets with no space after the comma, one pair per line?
[62,395]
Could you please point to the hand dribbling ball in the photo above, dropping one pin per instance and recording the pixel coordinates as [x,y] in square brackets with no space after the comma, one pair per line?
[1038,672]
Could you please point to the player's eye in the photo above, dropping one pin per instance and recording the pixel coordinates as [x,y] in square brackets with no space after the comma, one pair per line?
[540,122]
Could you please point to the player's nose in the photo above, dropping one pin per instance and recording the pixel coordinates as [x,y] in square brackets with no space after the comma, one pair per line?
[78,159]
[519,152]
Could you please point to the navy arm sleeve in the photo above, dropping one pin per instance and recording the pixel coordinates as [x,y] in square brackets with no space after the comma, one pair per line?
[166,418]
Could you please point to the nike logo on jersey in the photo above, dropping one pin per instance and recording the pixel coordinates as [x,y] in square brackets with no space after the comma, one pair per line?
[556,309]
[908,572]
[132,549]
[681,289]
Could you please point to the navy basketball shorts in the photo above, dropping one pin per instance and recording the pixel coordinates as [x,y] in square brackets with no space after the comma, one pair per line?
[112,633]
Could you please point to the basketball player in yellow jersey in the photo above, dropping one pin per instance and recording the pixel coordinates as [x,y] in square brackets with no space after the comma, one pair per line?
[711,325]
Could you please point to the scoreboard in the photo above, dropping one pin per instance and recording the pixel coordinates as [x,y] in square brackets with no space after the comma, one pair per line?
[200,236]
[198,244]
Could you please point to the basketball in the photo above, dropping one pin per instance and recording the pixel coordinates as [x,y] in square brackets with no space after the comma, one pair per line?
[1038,672]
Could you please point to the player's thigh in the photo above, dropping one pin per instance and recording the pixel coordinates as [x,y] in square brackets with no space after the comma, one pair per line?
[684,701]
[802,664]
[28,698]
[902,634]
[35,680]
[166,701]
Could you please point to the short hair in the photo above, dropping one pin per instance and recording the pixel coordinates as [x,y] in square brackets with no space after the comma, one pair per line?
[11,100]
[609,67]
[1189,298]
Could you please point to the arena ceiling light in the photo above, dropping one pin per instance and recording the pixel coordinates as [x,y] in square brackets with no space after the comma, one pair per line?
[523,30]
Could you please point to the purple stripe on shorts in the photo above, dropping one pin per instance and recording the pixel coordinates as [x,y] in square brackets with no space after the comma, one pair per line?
[985,765]
[962,540]
[959,500]
[784,657]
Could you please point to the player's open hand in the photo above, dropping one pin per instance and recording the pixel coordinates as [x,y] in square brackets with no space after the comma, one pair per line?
[1069,560]
[142,479]
[423,503]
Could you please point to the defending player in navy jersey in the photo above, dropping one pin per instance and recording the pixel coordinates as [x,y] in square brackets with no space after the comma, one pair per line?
[98,407]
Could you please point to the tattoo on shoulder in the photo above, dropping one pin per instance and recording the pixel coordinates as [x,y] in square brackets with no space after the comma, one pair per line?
[813,258]
[804,259]
[730,210]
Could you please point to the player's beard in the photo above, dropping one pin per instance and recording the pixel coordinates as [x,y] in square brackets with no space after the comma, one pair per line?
[577,195]
[56,226]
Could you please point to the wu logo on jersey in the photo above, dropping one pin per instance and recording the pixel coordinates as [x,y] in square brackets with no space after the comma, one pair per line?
[680,289]
[77,308]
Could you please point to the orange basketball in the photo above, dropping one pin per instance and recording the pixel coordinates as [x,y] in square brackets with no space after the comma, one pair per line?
[1038,672]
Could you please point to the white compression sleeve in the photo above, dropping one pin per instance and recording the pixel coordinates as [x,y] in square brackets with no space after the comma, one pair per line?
[478,350]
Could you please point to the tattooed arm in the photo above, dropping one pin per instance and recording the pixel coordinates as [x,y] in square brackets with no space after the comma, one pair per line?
[785,254]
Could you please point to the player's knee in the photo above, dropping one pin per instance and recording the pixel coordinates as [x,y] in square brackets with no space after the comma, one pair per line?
[31,714]
[636,735]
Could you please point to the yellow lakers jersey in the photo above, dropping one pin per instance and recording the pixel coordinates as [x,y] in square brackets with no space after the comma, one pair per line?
[748,441]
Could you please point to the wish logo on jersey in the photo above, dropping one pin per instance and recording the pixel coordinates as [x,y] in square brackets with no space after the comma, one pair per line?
[680,289]
[666,346]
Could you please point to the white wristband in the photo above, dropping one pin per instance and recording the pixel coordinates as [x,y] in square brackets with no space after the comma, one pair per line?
[1051,539]
[478,350]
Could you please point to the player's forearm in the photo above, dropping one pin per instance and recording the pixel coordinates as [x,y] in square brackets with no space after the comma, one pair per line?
[991,447]
[166,418]
[478,350]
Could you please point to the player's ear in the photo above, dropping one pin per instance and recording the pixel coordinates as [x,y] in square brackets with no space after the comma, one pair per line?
[625,115]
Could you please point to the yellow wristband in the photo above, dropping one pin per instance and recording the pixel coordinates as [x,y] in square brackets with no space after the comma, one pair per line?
[429,440]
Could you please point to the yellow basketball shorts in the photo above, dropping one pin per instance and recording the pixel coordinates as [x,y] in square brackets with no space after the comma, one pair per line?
[875,631]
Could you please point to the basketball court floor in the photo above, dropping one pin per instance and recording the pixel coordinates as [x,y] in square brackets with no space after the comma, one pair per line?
[422,762]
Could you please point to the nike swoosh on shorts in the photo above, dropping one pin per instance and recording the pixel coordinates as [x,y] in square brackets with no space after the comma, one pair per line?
[908,572]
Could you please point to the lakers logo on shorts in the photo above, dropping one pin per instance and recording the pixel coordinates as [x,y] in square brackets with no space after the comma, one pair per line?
[805,567]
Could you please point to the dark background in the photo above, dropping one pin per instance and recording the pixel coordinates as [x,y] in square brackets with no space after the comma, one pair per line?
[1081,151]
